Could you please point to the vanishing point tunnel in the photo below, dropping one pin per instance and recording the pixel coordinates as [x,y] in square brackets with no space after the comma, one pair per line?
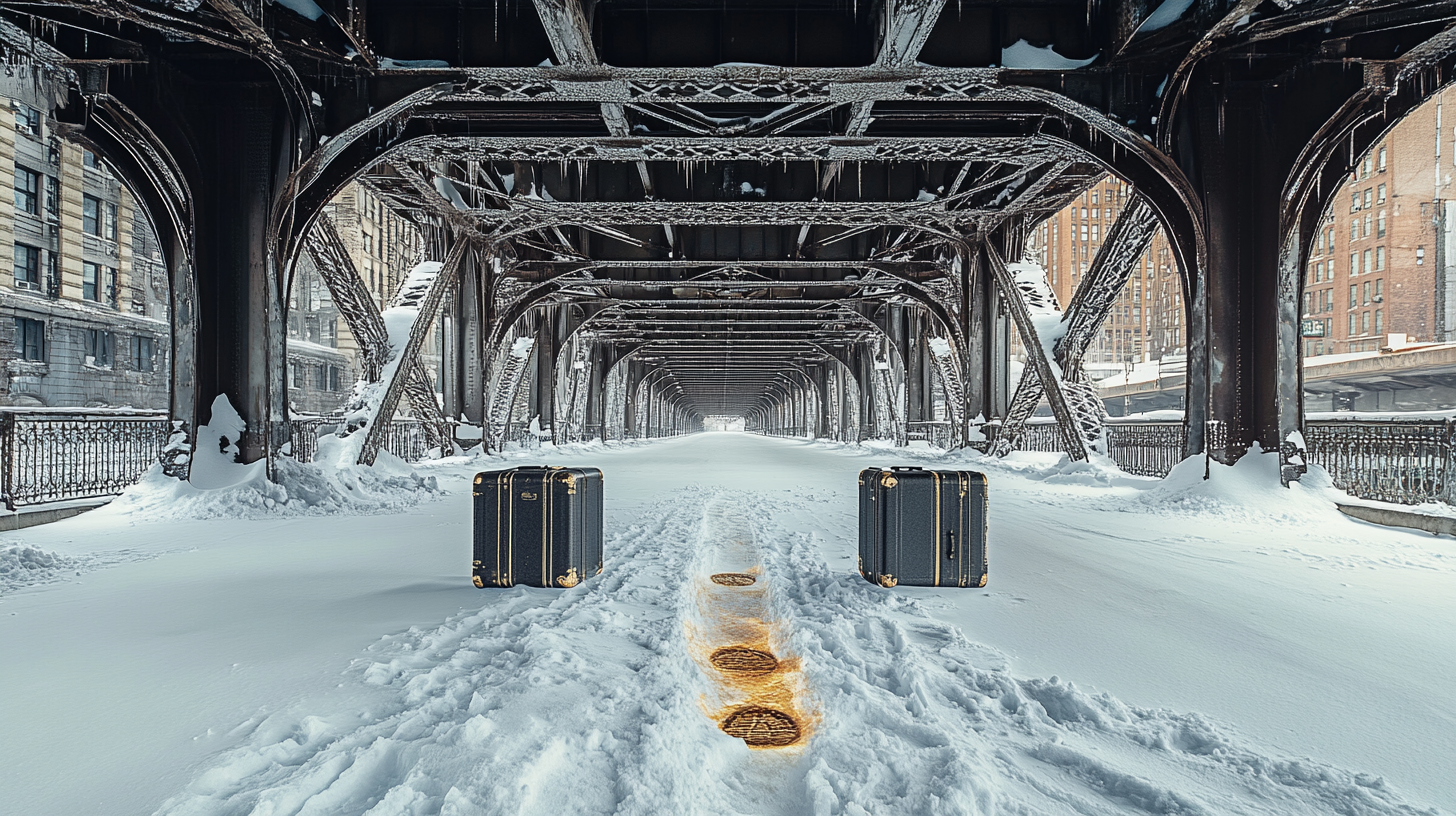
[810,214]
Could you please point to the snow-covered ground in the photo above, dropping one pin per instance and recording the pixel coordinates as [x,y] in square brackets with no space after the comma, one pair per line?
[1190,647]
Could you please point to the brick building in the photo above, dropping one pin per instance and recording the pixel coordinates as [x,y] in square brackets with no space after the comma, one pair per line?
[1379,266]
[1147,322]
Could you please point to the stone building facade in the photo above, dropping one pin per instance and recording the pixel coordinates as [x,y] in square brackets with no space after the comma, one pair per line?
[1147,322]
[85,313]
[1380,264]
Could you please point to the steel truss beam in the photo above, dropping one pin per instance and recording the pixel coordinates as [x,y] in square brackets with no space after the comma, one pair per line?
[1015,150]
[427,304]
[531,214]
[356,305]
[1016,301]
[1098,292]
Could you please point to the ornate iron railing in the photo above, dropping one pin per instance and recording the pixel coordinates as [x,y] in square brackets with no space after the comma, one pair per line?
[1141,447]
[1145,448]
[1400,461]
[57,456]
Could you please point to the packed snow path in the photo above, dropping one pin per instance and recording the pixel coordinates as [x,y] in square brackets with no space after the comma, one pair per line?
[1184,647]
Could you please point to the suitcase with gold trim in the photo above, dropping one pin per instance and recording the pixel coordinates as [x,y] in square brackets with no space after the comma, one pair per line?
[922,527]
[538,526]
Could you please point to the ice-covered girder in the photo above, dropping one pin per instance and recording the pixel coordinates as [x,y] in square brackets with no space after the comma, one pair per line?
[362,317]
[1115,261]
[1014,151]
[511,368]
[408,320]
[1095,296]
[1033,307]
[907,25]
[530,214]
[570,34]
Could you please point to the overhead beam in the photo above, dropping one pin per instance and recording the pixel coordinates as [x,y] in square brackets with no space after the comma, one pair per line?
[1017,150]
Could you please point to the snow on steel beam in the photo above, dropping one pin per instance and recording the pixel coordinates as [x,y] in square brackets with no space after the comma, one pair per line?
[1095,296]
[1026,297]
[362,317]
[1021,151]
[408,320]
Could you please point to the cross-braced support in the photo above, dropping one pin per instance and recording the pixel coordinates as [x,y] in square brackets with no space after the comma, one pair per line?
[408,319]
[356,305]
[1126,242]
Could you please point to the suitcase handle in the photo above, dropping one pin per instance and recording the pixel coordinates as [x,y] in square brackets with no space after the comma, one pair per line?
[905,467]
[950,550]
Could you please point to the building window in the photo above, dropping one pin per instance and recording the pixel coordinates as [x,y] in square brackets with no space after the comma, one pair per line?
[27,120]
[1351,332]
[30,339]
[1366,290]
[320,377]
[1354,228]
[1354,201]
[1095,236]
[90,281]
[1364,322]
[142,348]
[27,267]
[1380,225]
[1379,322]
[1094,196]
[110,224]
[297,371]
[1365,167]
[1382,160]
[91,215]
[1331,244]
[1354,264]
[98,347]
[90,159]
[1365,262]
[1380,194]
[1353,297]
[1379,259]
[53,196]
[333,378]
[1366,232]
[27,190]
[1380,290]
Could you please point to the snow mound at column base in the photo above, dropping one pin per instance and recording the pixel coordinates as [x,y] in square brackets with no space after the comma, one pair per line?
[314,489]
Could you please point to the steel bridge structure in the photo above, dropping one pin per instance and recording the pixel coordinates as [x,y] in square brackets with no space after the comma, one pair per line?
[646,212]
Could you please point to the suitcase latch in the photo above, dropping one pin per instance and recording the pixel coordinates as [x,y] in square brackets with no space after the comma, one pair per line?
[888,481]
[569,479]
[529,496]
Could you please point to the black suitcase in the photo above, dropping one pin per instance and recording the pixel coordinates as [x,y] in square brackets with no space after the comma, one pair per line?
[922,527]
[539,526]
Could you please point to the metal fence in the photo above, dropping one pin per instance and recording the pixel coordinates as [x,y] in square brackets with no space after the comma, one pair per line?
[48,456]
[1141,447]
[57,456]
[1401,461]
